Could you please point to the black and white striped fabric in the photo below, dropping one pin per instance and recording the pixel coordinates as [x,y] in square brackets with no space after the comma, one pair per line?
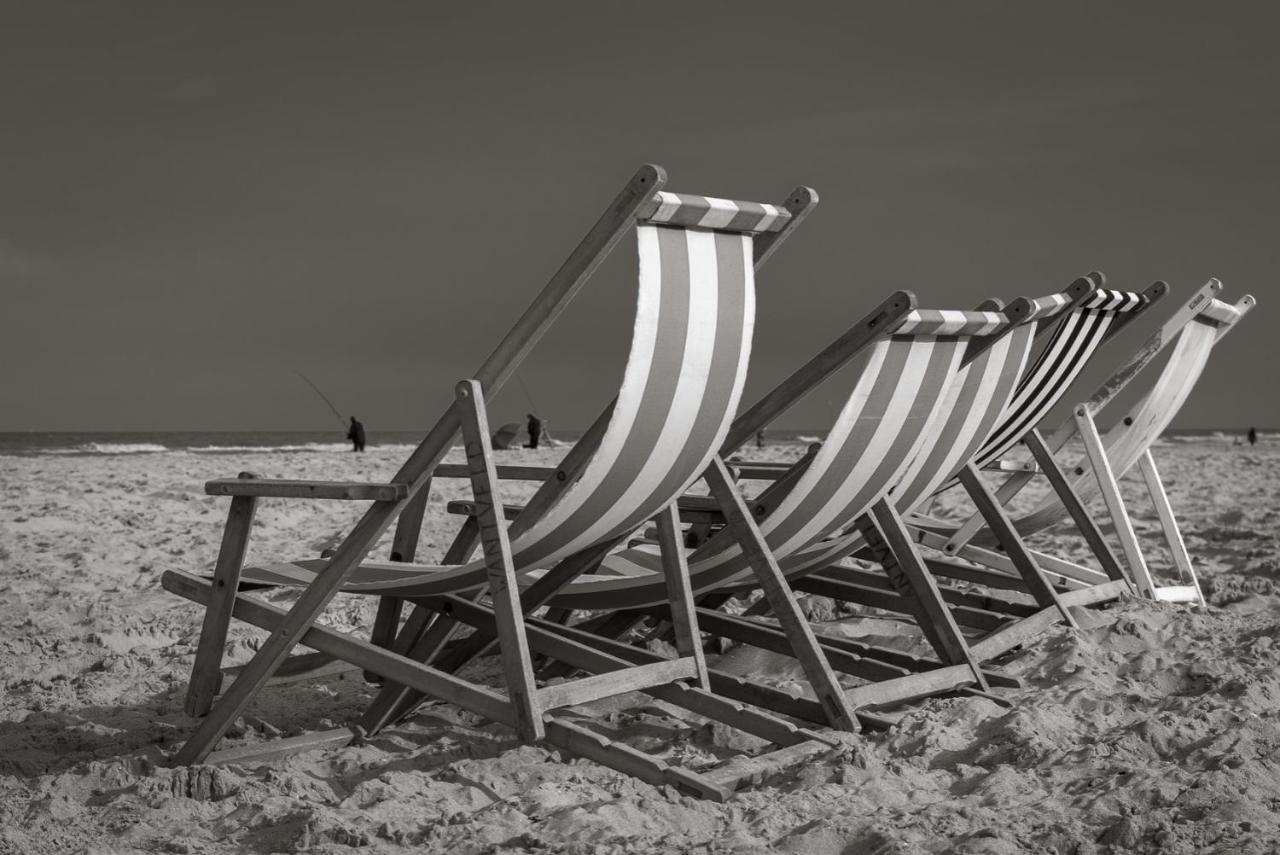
[680,389]
[1073,342]
[1129,438]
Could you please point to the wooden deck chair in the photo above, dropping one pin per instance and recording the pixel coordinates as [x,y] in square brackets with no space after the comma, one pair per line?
[1191,332]
[899,404]
[981,403]
[679,391]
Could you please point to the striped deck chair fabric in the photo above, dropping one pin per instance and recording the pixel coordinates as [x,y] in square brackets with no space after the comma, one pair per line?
[680,389]
[1143,424]
[1073,342]
[898,405]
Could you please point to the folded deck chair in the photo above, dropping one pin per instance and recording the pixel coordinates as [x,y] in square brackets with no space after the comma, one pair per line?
[1192,332]
[680,388]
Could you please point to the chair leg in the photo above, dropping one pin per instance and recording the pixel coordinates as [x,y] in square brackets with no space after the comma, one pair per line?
[888,538]
[1075,507]
[785,608]
[684,618]
[504,589]
[206,673]
[1110,488]
[998,520]
[1168,522]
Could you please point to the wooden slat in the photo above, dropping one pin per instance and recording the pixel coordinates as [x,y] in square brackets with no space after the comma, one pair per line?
[206,671]
[911,687]
[973,599]
[684,620]
[616,221]
[633,679]
[506,472]
[1110,489]
[1010,637]
[1061,485]
[260,753]
[1002,526]
[1097,593]
[741,770]
[283,489]
[910,578]
[573,737]
[504,588]
[466,508]
[804,645]
[391,666]
[1169,524]
[1178,594]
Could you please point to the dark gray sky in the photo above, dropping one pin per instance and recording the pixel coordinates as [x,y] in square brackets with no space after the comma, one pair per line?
[196,200]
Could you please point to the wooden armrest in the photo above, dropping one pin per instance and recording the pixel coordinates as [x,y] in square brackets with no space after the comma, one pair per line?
[348,490]
[507,473]
[760,471]
[468,509]
[1011,466]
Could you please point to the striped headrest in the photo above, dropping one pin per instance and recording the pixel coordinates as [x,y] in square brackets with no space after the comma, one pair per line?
[951,322]
[1113,301]
[1047,306]
[706,212]
[1223,313]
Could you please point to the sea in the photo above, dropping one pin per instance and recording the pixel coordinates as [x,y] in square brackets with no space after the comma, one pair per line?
[26,443]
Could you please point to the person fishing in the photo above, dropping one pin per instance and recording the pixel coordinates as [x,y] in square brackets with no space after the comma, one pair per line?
[355,433]
[535,430]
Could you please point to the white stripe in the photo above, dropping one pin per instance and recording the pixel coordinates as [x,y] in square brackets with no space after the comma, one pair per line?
[670,203]
[719,215]
[771,215]
[624,413]
[690,391]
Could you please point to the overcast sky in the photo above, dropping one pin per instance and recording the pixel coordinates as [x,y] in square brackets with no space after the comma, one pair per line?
[195,201]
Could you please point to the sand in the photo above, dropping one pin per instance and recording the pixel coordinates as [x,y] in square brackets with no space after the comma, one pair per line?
[1153,727]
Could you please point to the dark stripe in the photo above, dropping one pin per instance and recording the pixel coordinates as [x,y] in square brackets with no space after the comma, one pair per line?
[655,401]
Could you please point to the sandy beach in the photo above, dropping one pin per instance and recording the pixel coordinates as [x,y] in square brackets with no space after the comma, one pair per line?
[1151,728]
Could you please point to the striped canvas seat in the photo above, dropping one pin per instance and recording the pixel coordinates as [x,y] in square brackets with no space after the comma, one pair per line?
[909,398]
[1131,436]
[680,388]
[1073,342]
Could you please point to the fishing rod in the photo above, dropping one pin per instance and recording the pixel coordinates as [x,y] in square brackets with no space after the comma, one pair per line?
[322,395]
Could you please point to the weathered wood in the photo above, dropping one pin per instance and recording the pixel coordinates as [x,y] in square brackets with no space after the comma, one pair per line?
[506,472]
[633,679]
[753,769]
[998,520]
[1169,523]
[1010,637]
[675,570]
[361,653]
[495,371]
[972,599]
[617,755]
[300,668]
[882,320]
[468,508]
[261,753]
[1097,593]
[800,203]
[804,645]
[1179,594]
[206,672]
[1110,489]
[910,578]
[281,489]
[911,687]
[1061,485]
[504,587]
[889,600]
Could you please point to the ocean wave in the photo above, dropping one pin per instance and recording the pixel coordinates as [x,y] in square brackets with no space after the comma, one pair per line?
[324,447]
[111,448]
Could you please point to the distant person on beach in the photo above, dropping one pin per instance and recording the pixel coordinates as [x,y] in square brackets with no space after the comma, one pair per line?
[355,433]
[535,430]
[760,438]
[1253,436]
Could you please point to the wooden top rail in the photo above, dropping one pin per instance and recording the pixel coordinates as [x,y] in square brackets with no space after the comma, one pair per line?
[281,489]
